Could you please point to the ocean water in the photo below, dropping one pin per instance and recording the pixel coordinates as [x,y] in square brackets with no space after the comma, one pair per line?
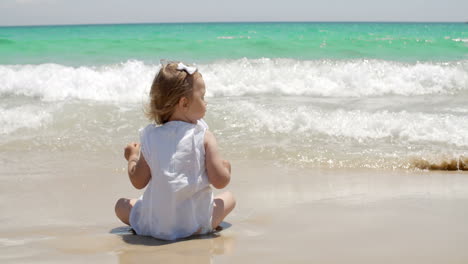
[318,95]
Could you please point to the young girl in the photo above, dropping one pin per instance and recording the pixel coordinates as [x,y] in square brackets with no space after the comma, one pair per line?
[177,161]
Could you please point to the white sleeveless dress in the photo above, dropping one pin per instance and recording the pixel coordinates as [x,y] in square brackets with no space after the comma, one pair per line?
[178,200]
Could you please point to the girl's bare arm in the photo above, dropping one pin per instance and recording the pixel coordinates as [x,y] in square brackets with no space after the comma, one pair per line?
[218,170]
[138,170]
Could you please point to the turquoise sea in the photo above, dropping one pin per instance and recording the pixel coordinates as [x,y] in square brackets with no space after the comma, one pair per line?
[340,95]
[102,44]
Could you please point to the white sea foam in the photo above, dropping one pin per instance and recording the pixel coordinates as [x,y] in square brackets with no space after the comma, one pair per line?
[12,119]
[342,124]
[460,40]
[233,37]
[303,132]
[456,110]
[286,129]
[327,78]
[401,128]
[130,81]
[126,82]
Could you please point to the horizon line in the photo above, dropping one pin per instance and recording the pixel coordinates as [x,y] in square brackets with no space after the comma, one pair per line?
[234,22]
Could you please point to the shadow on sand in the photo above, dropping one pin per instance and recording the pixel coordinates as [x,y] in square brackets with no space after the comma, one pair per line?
[129,236]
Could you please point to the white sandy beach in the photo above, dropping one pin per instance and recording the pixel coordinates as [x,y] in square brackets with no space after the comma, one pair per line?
[64,213]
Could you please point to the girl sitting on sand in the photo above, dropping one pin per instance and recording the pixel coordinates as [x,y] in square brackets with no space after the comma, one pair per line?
[178,161]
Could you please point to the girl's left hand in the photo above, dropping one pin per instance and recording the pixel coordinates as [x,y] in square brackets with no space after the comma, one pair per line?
[131,149]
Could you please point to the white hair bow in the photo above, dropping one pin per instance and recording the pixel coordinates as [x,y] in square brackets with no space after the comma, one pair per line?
[183,67]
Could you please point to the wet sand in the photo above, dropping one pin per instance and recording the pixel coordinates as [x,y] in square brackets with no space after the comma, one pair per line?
[63,212]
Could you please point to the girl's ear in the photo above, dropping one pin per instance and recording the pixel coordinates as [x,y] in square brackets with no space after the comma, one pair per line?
[183,102]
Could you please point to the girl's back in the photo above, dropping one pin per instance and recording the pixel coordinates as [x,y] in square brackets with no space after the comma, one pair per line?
[178,200]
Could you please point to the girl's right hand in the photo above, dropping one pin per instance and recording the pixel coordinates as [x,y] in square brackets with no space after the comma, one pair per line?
[132,149]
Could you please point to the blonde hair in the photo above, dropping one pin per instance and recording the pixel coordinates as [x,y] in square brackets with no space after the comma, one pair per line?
[168,87]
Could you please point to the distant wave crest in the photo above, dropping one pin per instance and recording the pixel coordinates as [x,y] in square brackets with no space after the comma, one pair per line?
[130,81]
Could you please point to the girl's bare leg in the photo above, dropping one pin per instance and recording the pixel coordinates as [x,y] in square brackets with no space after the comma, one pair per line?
[123,208]
[223,205]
